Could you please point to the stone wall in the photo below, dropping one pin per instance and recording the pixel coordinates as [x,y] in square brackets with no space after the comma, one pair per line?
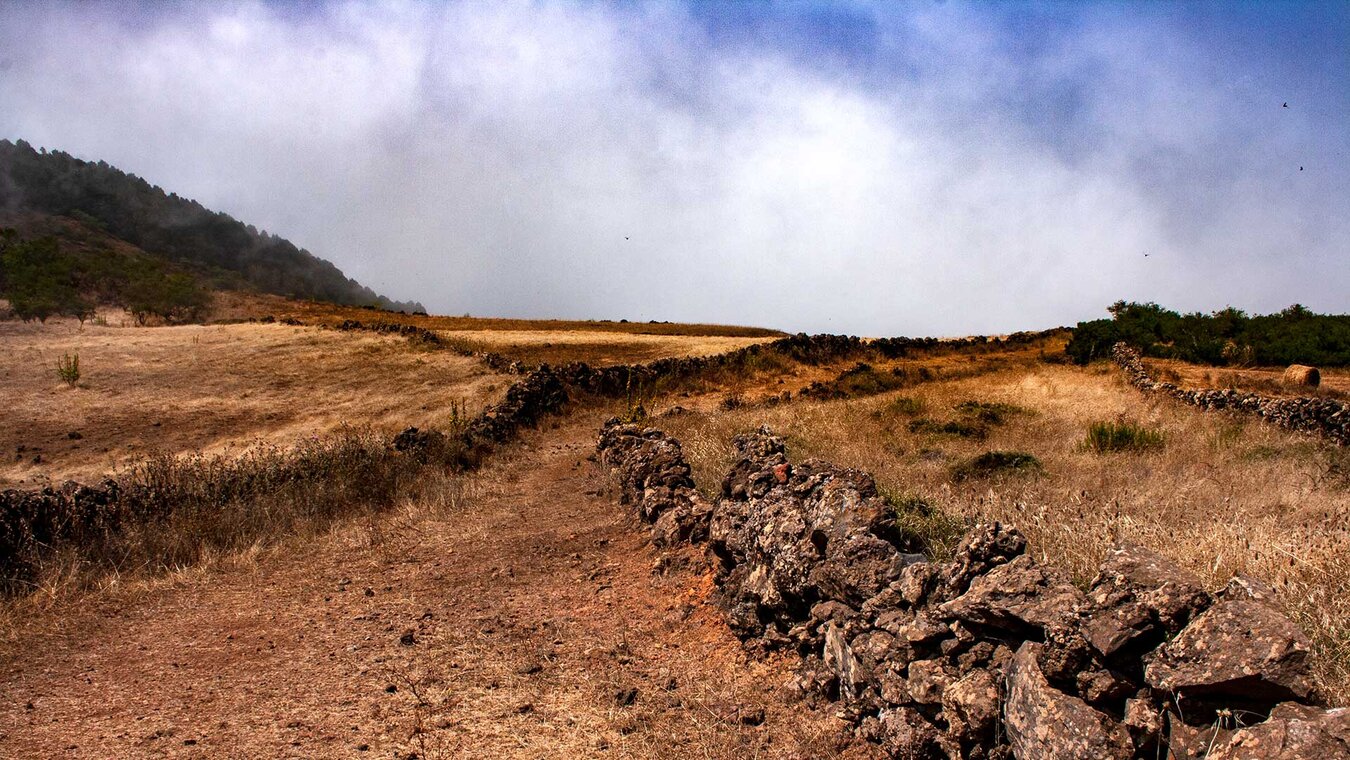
[1322,416]
[990,654]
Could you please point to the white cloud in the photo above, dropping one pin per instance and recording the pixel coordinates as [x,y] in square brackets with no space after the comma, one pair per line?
[494,158]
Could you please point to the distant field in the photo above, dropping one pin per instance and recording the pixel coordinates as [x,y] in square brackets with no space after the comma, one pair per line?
[1264,380]
[238,305]
[211,388]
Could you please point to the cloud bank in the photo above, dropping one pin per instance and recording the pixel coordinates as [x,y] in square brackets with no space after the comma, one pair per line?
[936,169]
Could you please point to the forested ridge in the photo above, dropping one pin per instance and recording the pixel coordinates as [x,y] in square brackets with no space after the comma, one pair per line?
[212,248]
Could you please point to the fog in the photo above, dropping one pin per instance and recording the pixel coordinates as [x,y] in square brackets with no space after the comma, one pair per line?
[872,169]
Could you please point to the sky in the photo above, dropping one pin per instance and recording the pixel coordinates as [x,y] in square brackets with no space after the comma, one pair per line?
[851,167]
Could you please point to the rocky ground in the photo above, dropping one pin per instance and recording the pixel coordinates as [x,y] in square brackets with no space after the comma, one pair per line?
[990,654]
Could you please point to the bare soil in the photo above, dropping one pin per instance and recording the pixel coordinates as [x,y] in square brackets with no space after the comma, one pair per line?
[527,619]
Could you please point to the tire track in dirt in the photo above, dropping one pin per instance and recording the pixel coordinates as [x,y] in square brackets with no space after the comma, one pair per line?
[529,622]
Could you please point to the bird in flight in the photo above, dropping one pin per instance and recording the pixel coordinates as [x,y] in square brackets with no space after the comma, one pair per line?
[1286,105]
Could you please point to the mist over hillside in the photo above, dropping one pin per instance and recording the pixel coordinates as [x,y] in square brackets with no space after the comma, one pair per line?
[218,249]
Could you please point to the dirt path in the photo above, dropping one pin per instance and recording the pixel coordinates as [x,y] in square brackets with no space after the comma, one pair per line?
[527,622]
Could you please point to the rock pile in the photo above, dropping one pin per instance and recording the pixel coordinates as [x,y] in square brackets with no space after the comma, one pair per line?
[655,479]
[1322,416]
[989,654]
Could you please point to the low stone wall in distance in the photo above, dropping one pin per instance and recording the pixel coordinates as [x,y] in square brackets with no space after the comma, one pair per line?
[1322,416]
[990,654]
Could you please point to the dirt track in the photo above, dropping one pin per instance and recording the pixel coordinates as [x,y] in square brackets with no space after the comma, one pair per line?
[533,609]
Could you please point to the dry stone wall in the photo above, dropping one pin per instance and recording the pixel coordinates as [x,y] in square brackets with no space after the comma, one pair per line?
[1322,416]
[989,654]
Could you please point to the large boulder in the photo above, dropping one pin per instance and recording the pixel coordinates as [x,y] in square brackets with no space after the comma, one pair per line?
[1044,722]
[1019,597]
[1139,598]
[1236,649]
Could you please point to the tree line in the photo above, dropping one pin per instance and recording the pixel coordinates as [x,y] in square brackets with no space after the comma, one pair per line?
[41,278]
[1228,337]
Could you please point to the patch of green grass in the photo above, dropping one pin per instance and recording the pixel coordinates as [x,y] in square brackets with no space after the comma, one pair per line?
[1106,437]
[962,428]
[997,463]
[926,527]
[989,413]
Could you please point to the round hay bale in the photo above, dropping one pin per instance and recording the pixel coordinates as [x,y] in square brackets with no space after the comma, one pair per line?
[1302,375]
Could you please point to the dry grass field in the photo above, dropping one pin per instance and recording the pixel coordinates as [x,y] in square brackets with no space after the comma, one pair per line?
[211,389]
[1223,495]
[1264,380]
[552,341]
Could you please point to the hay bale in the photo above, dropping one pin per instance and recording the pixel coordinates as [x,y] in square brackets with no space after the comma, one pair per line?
[1302,375]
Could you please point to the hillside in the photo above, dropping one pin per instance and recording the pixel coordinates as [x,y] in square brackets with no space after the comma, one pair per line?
[53,193]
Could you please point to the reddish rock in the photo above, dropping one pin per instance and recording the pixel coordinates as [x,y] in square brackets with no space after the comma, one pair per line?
[1293,732]
[1019,596]
[1240,649]
[905,734]
[1138,598]
[928,680]
[971,707]
[985,547]
[1043,722]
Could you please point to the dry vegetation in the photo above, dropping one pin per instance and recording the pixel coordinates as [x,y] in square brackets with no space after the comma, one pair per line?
[211,389]
[527,563]
[1222,496]
[1264,380]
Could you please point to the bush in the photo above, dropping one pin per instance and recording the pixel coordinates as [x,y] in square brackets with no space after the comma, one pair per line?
[989,413]
[1105,437]
[996,463]
[68,369]
[961,428]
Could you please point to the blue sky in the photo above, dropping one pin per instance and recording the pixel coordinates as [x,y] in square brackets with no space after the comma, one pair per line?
[875,168]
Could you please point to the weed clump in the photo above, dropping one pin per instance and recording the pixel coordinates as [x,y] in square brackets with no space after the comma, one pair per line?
[68,369]
[962,428]
[993,463]
[1106,437]
[989,413]
[937,532]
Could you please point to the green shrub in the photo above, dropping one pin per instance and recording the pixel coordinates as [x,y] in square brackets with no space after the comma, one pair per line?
[1105,437]
[996,463]
[989,413]
[962,428]
[68,369]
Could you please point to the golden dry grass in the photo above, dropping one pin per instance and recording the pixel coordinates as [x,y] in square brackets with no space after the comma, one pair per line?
[1224,495]
[211,389]
[1264,380]
[596,347]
